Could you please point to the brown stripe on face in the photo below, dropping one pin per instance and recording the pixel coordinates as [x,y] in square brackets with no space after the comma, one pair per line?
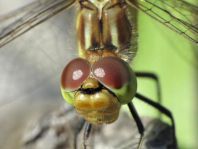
[123,28]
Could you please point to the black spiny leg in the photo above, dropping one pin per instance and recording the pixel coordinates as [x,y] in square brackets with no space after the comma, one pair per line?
[161,109]
[77,131]
[154,77]
[138,122]
[87,131]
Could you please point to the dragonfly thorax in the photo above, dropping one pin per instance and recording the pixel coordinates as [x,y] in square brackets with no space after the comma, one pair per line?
[103,25]
[99,3]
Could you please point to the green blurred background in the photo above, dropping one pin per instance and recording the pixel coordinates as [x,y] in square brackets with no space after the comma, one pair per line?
[174,60]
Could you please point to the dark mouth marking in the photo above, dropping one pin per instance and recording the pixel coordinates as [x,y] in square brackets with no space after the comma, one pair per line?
[90,90]
[94,90]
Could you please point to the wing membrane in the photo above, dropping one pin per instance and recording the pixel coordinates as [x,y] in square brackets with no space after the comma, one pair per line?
[178,15]
[32,15]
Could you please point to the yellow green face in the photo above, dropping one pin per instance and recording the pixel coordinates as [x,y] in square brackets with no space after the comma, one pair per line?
[98,90]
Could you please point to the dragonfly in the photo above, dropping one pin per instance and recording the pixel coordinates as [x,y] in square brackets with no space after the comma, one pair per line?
[38,12]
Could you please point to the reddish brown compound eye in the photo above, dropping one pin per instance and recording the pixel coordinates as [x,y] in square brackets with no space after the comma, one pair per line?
[111,71]
[74,74]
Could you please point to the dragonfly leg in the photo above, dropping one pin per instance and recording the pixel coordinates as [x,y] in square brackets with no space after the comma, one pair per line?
[138,122]
[86,134]
[155,78]
[163,110]
[77,131]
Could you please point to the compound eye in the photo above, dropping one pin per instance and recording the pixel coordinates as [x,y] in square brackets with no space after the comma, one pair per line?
[74,74]
[112,72]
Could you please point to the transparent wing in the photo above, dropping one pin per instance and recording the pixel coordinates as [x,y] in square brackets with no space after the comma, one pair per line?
[178,15]
[30,69]
[19,21]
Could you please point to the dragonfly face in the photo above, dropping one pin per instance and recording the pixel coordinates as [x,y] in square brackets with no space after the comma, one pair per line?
[98,90]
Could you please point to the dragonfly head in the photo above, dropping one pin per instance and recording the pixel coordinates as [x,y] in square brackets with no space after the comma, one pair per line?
[98,90]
